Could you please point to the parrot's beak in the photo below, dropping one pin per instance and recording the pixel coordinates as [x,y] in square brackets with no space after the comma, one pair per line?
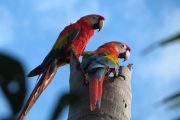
[125,55]
[101,25]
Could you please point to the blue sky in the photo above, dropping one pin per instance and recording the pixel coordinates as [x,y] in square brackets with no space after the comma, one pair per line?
[28,29]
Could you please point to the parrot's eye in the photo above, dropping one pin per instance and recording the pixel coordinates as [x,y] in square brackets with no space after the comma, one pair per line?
[123,46]
[94,18]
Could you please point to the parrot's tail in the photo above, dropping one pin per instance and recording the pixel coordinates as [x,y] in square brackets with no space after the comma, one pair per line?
[95,92]
[43,82]
[35,71]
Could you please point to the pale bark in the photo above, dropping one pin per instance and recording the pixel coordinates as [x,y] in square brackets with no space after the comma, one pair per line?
[116,100]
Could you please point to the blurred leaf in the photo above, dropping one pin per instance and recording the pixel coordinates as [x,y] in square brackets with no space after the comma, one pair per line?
[177,118]
[9,118]
[12,82]
[162,43]
[66,99]
[174,102]
[172,97]
[171,39]
[175,105]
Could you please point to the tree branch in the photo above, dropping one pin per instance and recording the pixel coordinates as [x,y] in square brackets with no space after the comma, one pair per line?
[116,99]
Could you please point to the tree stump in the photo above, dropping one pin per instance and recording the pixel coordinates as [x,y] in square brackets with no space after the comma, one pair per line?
[116,99]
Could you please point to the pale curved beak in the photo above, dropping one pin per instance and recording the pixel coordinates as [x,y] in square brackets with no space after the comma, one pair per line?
[127,55]
[101,24]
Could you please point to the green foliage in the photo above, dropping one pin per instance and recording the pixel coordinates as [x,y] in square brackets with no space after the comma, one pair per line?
[66,99]
[173,99]
[14,87]
[171,39]
[162,43]
[173,102]
[12,82]
[175,105]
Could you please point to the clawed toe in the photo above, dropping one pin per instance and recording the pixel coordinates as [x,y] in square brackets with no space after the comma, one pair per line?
[85,79]
[120,75]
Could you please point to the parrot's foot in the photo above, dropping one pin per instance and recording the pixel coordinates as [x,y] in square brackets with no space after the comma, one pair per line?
[111,80]
[115,72]
[85,76]
[120,75]
[115,76]
[85,79]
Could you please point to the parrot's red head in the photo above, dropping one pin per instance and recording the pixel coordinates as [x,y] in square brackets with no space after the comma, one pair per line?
[124,50]
[93,20]
[118,49]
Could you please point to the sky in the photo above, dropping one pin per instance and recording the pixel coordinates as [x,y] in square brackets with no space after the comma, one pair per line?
[28,29]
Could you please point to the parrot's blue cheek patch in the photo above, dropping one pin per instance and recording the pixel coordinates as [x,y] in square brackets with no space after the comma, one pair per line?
[98,104]
[100,73]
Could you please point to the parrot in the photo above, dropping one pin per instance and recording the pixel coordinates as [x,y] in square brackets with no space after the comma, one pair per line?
[100,63]
[72,40]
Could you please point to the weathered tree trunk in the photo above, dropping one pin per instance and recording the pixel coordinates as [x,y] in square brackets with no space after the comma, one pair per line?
[116,100]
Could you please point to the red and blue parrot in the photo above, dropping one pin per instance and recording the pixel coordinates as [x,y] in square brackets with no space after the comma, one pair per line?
[73,39]
[101,63]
